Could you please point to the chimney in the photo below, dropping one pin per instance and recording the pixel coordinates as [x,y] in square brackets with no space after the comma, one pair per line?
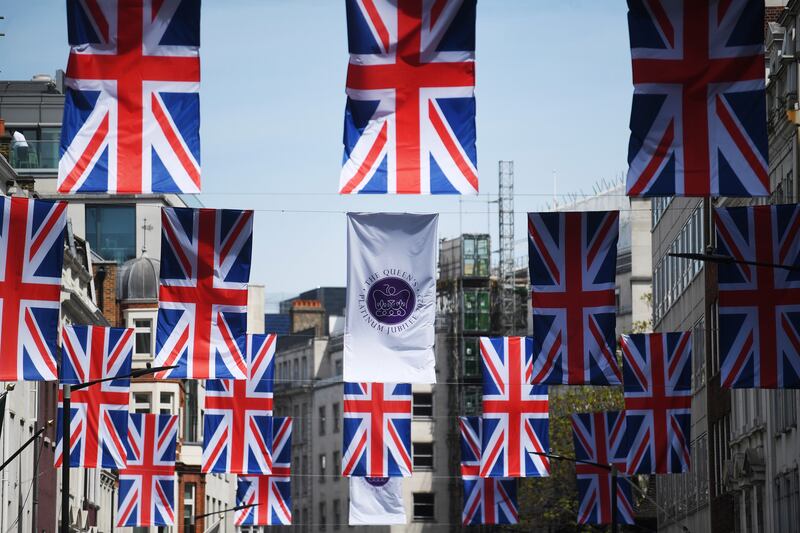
[308,314]
[105,286]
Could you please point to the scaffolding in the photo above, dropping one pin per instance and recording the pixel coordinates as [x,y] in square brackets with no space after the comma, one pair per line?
[507,277]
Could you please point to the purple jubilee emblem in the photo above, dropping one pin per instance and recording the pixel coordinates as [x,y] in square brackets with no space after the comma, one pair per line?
[377,481]
[391,301]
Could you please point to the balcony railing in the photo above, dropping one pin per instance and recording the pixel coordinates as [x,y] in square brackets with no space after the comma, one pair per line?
[37,155]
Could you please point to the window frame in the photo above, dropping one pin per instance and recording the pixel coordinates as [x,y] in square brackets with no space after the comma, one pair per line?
[92,233]
[425,406]
[336,416]
[137,403]
[416,505]
[415,455]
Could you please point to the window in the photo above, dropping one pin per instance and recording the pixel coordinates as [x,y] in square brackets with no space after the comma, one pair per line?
[305,423]
[470,359]
[296,370]
[714,315]
[304,368]
[141,402]
[337,465]
[698,355]
[323,518]
[337,514]
[143,331]
[304,472]
[188,507]
[322,412]
[423,507]
[165,405]
[323,464]
[658,206]
[720,440]
[41,150]
[785,410]
[338,367]
[471,401]
[423,404]
[672,275]
[298,460]
[111,231]
[190,418]
[788,500]
[422,453]
[336,415]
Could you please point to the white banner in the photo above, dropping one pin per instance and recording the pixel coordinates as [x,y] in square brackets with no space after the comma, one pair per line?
[391,298]
[376,501]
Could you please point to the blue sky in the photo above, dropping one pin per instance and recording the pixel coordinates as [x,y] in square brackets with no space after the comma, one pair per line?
[553,93]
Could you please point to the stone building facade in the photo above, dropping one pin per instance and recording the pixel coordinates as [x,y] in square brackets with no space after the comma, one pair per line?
[111,277]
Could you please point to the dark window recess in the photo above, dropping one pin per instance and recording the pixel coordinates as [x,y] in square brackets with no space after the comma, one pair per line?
[423,455]
[423,506]
[422,404]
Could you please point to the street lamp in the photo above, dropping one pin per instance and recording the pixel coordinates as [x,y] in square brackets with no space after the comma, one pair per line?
[27,442]
[712,257]
[66,446]
[611,468]
[193,518]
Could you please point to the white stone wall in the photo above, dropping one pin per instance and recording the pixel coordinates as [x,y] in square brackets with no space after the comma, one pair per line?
[16,480]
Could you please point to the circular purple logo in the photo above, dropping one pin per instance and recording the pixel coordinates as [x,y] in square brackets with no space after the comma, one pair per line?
[377,481]
[391,300]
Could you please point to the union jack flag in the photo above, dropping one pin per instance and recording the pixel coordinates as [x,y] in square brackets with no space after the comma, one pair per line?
[237,436]
[409,124]
[573,259]
[759,306]
[486,500]
[698,120]
[98,414]
[31,256]
[515,417]
[132,109]
[147,484]
[599,438]
[371,451]
[202,300]
[658,401]
[272,493]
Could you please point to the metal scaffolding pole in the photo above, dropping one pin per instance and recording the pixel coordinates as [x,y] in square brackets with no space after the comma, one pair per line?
[505,211]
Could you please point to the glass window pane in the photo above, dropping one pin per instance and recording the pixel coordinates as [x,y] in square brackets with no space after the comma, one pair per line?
[111,231]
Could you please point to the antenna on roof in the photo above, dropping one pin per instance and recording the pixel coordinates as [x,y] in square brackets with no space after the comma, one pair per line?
[145,228]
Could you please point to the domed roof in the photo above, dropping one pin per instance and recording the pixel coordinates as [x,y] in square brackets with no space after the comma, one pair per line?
[138,279]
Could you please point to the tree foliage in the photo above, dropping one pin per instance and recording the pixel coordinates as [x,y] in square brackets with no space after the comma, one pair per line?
[551,504]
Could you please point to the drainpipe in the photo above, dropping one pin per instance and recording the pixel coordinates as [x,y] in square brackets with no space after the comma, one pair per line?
[36,448]
[113,506]
[35,482]
[20,506]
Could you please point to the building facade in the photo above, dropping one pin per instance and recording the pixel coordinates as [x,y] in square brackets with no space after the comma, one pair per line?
[28,485]
[111,272]
[762,472]
[309,369]
[745,443]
